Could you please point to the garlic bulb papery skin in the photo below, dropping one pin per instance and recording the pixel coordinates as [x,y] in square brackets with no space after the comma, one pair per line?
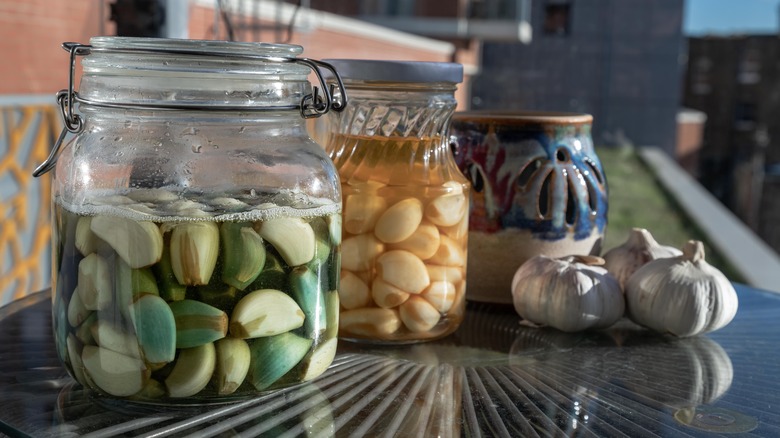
[683,296]
[569,293]
[640,248]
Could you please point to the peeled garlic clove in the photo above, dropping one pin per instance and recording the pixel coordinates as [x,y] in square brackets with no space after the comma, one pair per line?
[320,359]
[77,313]
[370,322]
[192,371]
[568,293]
[362,211]
[155,327]
[640,248]
[449,253]
[197,323]
[457,231]
[292,237]
[447,210]
[109,337]
[358,253]
[273,356]
[683,295]
[418,315]
[423,243]
[243,254]
[441,295]
[94,283]
[114,373]
[84,331]
[386,295]
[194,251]
[139,243]
[305,290]
[452,274]
[265,312]
[232,364]
[398,222]
[86,241]
[403,270]
[353,292]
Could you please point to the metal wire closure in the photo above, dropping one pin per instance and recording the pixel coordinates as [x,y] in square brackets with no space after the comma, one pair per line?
[319,102]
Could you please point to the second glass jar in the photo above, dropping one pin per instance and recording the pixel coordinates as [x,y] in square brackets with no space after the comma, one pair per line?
[405,203]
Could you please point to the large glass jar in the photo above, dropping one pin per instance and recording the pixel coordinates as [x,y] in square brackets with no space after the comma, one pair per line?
[405,222]
[196,224]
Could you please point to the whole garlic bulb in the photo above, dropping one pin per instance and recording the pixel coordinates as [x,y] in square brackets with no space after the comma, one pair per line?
[683,295]
[569,293]
[640,248]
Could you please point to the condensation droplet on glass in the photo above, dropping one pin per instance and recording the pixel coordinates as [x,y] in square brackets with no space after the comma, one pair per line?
[190,131]
[118,138]
[196,148]
[241,129]
[128,124]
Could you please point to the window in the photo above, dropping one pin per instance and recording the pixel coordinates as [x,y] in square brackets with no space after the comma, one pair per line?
[745,116]
[557,18]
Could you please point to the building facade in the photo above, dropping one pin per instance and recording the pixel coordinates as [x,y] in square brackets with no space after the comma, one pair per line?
[618,60]
[736,82]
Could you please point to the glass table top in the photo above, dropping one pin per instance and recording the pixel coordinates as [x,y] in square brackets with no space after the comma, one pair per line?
[492,378]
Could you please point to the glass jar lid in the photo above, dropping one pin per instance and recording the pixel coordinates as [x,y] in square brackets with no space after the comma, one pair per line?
[398,71]
[189,75]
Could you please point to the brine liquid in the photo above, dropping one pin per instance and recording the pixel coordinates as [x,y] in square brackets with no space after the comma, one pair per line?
[114,295]
[405,230]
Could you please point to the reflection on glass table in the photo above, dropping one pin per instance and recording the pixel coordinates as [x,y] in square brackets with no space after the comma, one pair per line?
[493,377]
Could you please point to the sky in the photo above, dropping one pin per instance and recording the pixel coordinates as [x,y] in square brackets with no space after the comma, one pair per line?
[731,16]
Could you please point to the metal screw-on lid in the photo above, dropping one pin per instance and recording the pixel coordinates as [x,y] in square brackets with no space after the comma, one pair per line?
[397,71]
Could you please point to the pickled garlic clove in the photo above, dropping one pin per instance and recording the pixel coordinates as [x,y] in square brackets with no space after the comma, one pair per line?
[403,270]
[194,251]
[447,210]
[139,243]
[192,371]
[358,253]
[265,312]
[399,221]
[372,322]
[292,237]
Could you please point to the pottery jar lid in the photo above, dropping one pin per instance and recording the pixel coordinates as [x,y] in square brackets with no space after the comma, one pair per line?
[398,71]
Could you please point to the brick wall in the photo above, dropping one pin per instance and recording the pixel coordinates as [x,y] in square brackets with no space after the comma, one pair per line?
[31,32]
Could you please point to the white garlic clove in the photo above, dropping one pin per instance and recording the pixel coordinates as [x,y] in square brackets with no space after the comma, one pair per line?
[353,291]
[569,293]
[399,221]
[386,295]
[403,270]
[359,252]
[361,211]
[683,296]
[640,248]
[423,243]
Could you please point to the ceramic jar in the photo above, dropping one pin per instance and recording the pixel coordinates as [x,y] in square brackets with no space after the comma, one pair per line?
[537,188]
